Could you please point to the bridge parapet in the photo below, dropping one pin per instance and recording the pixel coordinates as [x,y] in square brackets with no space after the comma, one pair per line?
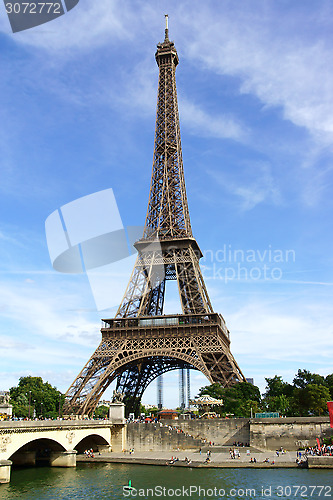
[28,425]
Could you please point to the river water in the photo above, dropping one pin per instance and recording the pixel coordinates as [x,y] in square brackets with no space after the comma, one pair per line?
[106,481]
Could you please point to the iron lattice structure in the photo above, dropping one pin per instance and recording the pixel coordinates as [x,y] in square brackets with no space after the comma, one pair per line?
[141,343]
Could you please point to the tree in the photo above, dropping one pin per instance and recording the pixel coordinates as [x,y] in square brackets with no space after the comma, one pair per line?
[101,411]
[237,399]
[329,383]
[214,390]
[281,404]
[44,399]
[304,377]
[312,399]
[277,387]
[316,397]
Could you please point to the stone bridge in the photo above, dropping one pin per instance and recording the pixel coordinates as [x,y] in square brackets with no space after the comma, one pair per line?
[56,442]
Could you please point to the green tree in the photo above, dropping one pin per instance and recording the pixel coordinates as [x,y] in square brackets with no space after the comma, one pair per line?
[281,404]
[44,399]
[316,397]
[277,387]
[329,383]
[214,390]
[304,377]
[250,408]
[311,400]
[101,411]
[237,399]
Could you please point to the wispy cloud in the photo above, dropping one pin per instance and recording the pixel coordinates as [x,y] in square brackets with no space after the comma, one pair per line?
[88,25]
[38,308]
[256,186]
[274,61]
[200,122]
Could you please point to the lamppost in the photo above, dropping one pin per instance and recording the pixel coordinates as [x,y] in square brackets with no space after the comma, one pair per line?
[41,409]
[34,414]
[29,403]
[59,403]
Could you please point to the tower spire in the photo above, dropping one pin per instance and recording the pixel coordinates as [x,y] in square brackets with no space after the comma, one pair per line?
[166,39]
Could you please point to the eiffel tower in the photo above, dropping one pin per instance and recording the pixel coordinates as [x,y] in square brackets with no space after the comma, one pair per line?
[140,343]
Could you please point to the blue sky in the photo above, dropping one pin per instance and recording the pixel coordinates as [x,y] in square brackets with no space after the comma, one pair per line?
[255,89]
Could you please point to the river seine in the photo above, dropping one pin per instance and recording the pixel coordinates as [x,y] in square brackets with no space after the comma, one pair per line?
[107,481]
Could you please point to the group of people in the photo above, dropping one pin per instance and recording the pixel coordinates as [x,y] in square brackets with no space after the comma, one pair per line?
[267,461]
[187,460]
[239,444]
[322,451]
[234,453]
[89,453]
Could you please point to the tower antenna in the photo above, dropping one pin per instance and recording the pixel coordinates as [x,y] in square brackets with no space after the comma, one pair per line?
[166,27]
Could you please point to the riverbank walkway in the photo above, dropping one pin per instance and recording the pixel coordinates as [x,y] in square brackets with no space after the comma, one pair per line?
[217,459]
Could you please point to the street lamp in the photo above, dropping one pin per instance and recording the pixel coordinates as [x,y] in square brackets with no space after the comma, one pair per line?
[59,403]
[34,414]
[29,403]
[41,409]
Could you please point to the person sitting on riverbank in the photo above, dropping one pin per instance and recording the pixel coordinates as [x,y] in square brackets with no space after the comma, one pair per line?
[324,450]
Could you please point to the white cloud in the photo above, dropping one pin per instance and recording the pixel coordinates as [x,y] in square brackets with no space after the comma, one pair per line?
[284,68]
[282,63]
[255,186]
[275,332]
[39,309]
[87,25]
[201,123]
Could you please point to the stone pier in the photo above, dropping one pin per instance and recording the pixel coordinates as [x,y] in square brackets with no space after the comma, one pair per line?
[63,458]
[5,468]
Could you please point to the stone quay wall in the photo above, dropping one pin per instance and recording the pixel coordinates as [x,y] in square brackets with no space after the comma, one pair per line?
[291,433]
[152,437]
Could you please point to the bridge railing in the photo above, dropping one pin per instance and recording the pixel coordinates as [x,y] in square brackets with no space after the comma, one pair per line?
[19,424]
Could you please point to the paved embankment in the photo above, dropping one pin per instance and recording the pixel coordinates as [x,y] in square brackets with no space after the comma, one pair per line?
[216,459]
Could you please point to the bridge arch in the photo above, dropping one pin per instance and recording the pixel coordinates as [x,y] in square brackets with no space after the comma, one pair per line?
[93,441]
[36,450]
